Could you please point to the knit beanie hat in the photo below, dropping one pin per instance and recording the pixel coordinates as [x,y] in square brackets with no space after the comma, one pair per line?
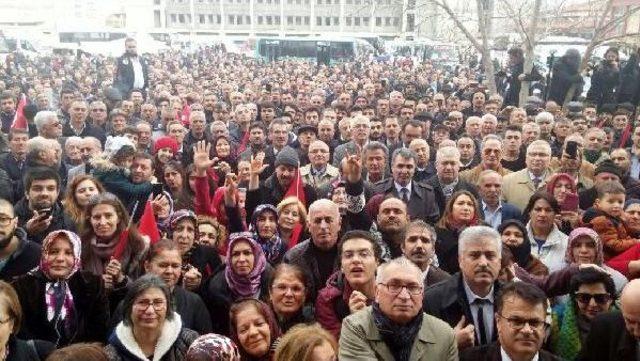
[631,201]
[166,142]
[287,156]
[607,166]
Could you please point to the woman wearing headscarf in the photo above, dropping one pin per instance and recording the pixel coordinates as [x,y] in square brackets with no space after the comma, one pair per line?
[514,236]
[65,305]
[585,247]
[562,187]
[245,275]
[213,347]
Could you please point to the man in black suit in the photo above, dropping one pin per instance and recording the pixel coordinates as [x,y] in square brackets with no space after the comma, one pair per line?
[419,197]
[521,310]
[447,180]
[132,70]
[466,301]
[615,335]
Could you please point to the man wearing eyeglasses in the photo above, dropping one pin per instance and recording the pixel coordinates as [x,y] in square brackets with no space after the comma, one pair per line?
[394,327]
[521,310]
[491,158]
[17,254]
[467,300]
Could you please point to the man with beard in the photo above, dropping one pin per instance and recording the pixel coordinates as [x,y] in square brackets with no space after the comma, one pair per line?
[89,148]
[17,254]
[274,188]
[418,247]
[131,72]
[419,197]
[39,211]
[466,300]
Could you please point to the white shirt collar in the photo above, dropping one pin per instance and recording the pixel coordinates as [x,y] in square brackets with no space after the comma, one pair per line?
[472,296]
[399,187]
[485,206]
[505,357]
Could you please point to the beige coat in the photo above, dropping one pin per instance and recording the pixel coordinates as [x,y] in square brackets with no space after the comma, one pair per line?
[360,340]
[473,175]
[517,188]
[332,173]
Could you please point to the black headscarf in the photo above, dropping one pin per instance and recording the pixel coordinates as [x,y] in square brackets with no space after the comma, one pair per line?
[521,253]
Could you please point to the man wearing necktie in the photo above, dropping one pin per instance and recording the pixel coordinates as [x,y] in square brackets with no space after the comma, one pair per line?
[518,187]
[466,301]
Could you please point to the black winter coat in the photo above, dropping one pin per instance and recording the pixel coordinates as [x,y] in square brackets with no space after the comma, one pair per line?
[564,75]
[91,309]
[59,220]
[629,89]
[25,258]
[34,350]
[604,84]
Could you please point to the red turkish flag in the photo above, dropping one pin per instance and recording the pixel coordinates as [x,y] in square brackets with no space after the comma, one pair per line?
[19,120]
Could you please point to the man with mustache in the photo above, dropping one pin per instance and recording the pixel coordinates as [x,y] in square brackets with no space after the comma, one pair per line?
[519,186]
[418,247]
[521,311]
[466,301]
[17,254]
[491,156]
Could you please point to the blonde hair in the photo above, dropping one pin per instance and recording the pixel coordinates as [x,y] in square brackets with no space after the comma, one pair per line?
[300,341]
[302,210]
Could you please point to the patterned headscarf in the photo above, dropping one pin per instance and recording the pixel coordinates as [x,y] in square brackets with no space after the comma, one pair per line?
[273,248]
[551,184]
[213,347]
[584,232]
[249,285]
[58,297]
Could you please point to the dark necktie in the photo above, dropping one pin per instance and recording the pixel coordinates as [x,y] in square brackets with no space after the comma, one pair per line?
[536,182]
[481,327]
[405,195]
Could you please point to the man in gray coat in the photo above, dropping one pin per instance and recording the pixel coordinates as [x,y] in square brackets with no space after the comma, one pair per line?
[394,327]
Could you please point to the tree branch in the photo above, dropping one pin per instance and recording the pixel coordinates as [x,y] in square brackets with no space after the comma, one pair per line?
[459,24]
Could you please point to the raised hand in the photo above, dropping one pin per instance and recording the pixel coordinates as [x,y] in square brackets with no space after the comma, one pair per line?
[201,160]
[353,168]
[257,164]
[231,190]
[465,335]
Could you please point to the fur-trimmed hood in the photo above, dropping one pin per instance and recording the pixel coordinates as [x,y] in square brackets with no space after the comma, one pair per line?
[102,162]
[123,340]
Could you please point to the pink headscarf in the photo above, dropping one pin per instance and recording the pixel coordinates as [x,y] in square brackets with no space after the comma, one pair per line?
[584,232]
[249,285]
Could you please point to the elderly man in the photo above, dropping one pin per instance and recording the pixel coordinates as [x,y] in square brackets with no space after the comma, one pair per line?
[145,143]
[466,301]
[519,186]
[473,127]
[89,148]
[395,328]
[78,125]
[467,148]
[546,122]
[622,158]
[616,335]
[521,311]
[419,197]
[418,247]
[447,180]
[319,173]
[196,133]
[318,255]
[492,209]
[424,168]
[48,124]
[489,125]
[360,128]
[530,132]
[491,156]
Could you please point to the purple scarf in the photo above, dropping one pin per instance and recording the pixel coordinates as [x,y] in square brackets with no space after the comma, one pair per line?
[249,285]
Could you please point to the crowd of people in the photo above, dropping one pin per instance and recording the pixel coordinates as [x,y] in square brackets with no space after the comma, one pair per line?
[209,206]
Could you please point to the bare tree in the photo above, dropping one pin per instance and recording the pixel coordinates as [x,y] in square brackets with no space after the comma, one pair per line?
[604,31]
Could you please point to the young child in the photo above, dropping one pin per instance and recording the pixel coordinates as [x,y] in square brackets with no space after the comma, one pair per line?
[606,218]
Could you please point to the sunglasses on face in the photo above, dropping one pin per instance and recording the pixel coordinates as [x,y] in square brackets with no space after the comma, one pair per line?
[600,298]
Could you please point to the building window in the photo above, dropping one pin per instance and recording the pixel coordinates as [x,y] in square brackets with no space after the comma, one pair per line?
[278,20]
[289,20]
[329,2]
[181,18]
[201,18]
[319,2]
[365,21]
[356,21]
[269,20]
[210,19]
[239,20]
[319,21]
[378,21]
[307,20]
[348,21]
[174,18]
[219,19]
[259,19]
[387,21]
[396,21]
[232,19]
[336,20]
[156,2]
[327,21]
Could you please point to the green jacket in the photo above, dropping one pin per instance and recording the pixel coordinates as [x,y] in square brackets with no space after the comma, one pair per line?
[360,340]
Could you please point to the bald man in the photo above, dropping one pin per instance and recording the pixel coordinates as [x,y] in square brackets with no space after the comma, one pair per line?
[615,335]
